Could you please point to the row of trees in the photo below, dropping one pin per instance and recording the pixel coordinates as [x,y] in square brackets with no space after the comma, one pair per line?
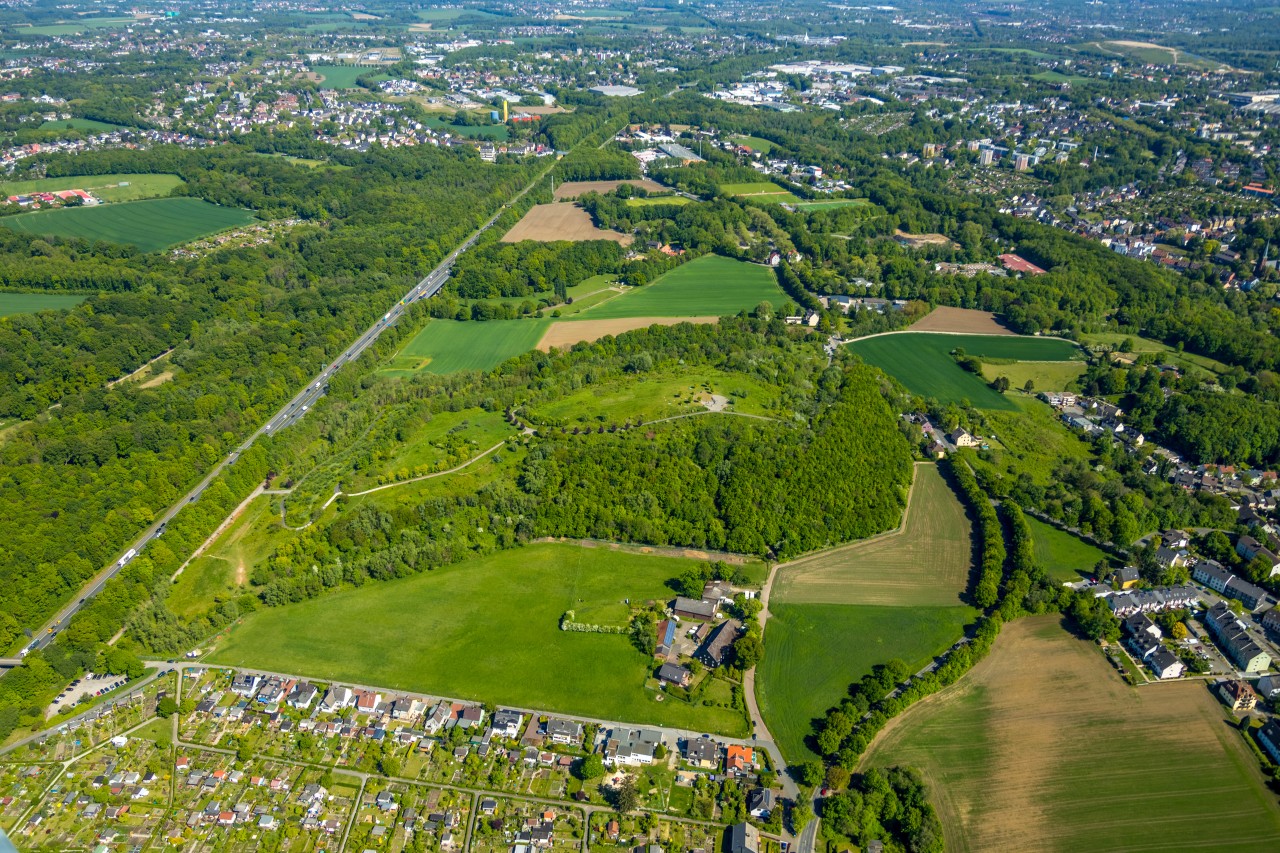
[986,587]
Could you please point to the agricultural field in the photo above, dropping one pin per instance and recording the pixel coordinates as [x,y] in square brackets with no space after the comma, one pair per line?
[572,189]
[1064,557]
[1043,375]
[1097,767]
[762,191]
[448,346]
[708,286]
[815,651]
[830,204]
[924,563]
[923,364]
[497,132]
[149,225]
[487,629]
[105,187]
[561,221]
[565,333]
[29,303]
[76,27]
[755,143]
[87,125]
[651,201]
[960,320]
[339,76]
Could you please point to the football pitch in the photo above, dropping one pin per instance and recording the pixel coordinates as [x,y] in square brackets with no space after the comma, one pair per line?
[149,225]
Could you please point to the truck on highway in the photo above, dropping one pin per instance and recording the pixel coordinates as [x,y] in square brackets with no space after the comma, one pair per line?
[129,555]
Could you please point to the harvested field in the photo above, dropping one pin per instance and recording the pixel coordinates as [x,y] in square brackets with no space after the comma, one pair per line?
[916,241]
[548,222]
[566,334]
[573,189]
[1042,747]
[926,562]
[964,321]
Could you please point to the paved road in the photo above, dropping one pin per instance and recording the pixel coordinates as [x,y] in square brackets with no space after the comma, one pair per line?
[288,414]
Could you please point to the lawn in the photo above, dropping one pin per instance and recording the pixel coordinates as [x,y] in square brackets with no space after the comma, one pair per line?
[448,346]
[831,204]
[29,303]
[815,651]
[85,124]
[923,364]
[1064,557]
[105,187]
[149,225]
[340,76]
[755,143]
[1043,375]
[1043,747]
[497,132]
[709,286]
[925,563]
[653,200]
[485,630]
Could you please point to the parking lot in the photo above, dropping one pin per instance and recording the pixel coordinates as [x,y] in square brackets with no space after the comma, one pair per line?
[89,685]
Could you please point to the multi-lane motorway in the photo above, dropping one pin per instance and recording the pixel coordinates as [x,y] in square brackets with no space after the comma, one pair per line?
[288,414]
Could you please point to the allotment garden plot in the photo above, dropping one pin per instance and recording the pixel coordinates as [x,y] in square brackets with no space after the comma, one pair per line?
[1042,747]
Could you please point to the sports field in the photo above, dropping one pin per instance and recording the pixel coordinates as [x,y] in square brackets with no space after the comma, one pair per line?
[708,286]
[29,303]
[448,346]
[487,630]
[561,221]
[1042,747]
[1064,557]
[925,563]
[762,191]
[815,651]
[86,124]
[149,225]
[105,187]
[339,76]
[923,364]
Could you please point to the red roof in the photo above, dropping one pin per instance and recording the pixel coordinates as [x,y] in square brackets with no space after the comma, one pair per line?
[1018,264]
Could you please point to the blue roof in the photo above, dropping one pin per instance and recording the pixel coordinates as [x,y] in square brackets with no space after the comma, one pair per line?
[670,636]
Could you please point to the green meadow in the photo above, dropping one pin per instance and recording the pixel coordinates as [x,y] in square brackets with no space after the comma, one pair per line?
[149,225]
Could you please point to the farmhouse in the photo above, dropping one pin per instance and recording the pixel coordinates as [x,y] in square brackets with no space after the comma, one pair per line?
[712,651]
[693,608]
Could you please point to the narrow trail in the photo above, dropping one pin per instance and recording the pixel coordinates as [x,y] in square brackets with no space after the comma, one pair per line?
[222,528]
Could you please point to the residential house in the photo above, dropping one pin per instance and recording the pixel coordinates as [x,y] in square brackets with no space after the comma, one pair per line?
[440,716]
[1269,738]
[745,838]
[506,723]
[1250,549]
[1139,624]
[1268,687]
[666,638]
[470,717]
[1213,575]
[245,684]
[630,747]
[760,802]
[713,649]
[1175,539]
[567,732]
[1238,695]
[1126,578]
[703,753]
[302,695]
[739,759]
[1271,622]
[670,673]
[961,438]
[1233,636]
[336,699]
[368,702]
[1172,557]
[1165,664]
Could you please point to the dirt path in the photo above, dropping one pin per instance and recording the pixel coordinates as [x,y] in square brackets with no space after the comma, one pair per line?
[222,528]
[138,372]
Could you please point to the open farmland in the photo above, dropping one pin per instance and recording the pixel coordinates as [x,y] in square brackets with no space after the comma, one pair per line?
[464,630]
[339,76]
[923,364]
[710,285]
[830,204]
[1064,557]
[965,321]
[549,222]
[566,333]
[448,346]
[105,187]
[925,562]
[149,225]
[815,651]
[1042,747]
[1043,375]
[573,189]
[29,303]
[87,125]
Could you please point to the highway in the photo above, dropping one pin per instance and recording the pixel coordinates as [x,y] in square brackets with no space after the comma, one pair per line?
[286,416]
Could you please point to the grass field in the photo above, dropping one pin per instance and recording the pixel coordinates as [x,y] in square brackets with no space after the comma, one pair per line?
[105,187]
[1042,747]
[831,204]
[926,563]
[448,346]
[86,124]
[29,303]
[815,651]
[486,630]
[499,132]
[763,191]
[1032,440]
[1064,557]
[708,286]
[340,76]
[1166,354]
[78,26]
[755,143]
[149,225]
[650,201]
[223,569]
[1043,375]
[923,364]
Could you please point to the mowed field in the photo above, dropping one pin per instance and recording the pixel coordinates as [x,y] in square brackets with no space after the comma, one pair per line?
[830,204]
[815,651]
[573,189]
[548,222]
[1042,747]
[922,362]
[448,346]
[924,563]
[86,124]
[1064,557]
[105,187]
[29,303]
[763,191]
[1043,375]
[339,76]
[487,629]
[710,285]
[149,225]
